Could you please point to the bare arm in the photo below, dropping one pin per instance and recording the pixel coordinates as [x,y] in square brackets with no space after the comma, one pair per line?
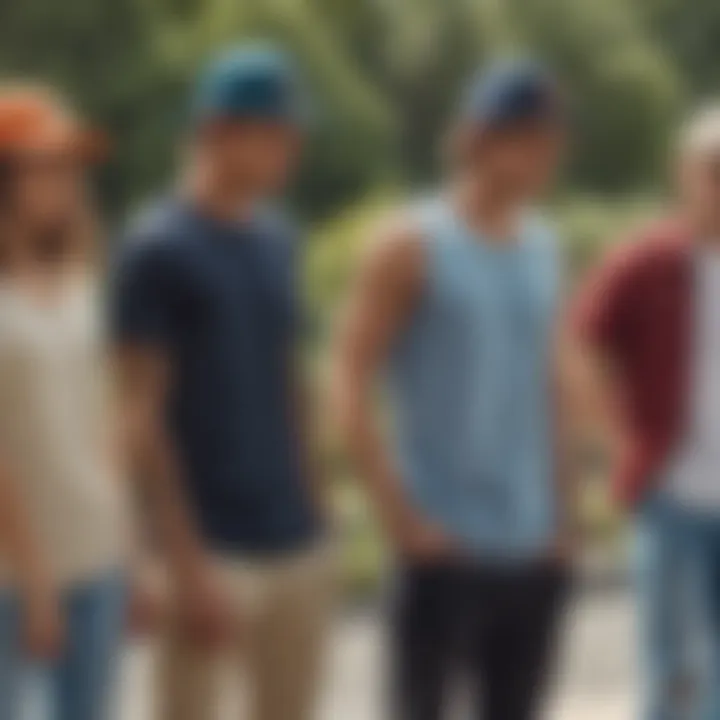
[565,382]
[200,603]
[308,434]
[596,339]
[144,380]
[42,617]
[384,296]
[589,400]
[20,543]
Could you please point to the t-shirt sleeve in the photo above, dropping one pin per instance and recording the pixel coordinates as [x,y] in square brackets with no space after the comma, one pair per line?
[141,299]
[303,324]
[291,239]
[601,313]
[552,266]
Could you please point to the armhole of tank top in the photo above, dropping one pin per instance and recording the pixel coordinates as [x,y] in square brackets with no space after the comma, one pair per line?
[429,237]
[554,259]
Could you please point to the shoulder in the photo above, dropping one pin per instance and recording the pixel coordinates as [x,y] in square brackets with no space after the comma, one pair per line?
[396,250]
[280,229]
[161,220]
[405,234]
[151,241]
[17,316]
[277,220]
[658,247]
[8,306]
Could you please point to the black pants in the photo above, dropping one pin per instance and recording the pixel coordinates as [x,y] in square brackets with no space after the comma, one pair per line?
[491,628]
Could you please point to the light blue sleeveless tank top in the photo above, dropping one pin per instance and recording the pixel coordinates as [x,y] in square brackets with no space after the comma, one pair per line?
[470,388]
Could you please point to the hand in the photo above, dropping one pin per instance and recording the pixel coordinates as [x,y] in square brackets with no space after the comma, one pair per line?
[419,540]
[563,549]
[44,626]
[147,604]
[205,612]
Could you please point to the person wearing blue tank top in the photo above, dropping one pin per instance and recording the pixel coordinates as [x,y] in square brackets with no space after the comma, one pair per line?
[455,311]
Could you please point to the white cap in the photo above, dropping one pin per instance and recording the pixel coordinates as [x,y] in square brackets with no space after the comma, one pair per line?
[701,133]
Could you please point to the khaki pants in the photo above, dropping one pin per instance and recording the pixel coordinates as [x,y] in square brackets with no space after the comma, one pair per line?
[285,606]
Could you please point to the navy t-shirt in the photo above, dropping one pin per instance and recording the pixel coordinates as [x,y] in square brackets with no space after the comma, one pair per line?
[219,299]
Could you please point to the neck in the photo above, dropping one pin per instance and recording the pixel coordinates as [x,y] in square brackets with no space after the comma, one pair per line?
[486,207]
[213,195]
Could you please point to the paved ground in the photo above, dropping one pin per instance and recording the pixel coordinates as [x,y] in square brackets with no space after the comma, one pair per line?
[596,682]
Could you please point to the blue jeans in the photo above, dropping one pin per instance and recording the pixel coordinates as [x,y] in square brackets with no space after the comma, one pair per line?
[78,684]
[679,591]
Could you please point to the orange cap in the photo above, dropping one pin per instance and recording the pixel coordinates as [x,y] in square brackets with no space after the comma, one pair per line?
[34,120]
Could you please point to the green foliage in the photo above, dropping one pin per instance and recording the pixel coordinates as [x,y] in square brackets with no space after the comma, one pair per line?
[103,55]
[621,88]
[587,225]
[384,75]
[688,33]
[335,252]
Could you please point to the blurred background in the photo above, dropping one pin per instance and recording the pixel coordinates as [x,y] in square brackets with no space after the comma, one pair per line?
[384,75]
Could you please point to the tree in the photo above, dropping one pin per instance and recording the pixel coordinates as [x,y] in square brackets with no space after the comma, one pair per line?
[623,92]
[103,55]
[385,76]
[689,35]
[351,145]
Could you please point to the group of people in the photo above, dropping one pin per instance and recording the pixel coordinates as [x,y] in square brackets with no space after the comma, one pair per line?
[158,455]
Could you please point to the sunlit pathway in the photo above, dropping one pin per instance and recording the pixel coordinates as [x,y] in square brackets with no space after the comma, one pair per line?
[596,682]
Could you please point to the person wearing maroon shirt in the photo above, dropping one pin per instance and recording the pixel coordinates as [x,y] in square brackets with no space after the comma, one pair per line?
[649,320]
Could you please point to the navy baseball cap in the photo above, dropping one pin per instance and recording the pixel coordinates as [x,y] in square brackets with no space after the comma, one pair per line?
[250,82]
[512,93]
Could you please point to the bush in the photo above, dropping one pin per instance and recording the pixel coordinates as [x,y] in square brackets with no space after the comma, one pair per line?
[588,225]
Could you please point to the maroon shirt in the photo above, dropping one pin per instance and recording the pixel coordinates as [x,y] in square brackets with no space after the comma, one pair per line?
[638,309]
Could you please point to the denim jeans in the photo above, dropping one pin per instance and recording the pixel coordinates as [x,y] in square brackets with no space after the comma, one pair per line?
[78,685]
[678,574]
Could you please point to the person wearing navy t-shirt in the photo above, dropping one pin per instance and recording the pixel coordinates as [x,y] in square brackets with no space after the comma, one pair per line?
[454,315]
[205,317]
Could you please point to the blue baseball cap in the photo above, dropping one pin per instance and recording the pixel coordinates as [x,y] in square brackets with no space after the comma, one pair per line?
[512,93]
[250,82]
